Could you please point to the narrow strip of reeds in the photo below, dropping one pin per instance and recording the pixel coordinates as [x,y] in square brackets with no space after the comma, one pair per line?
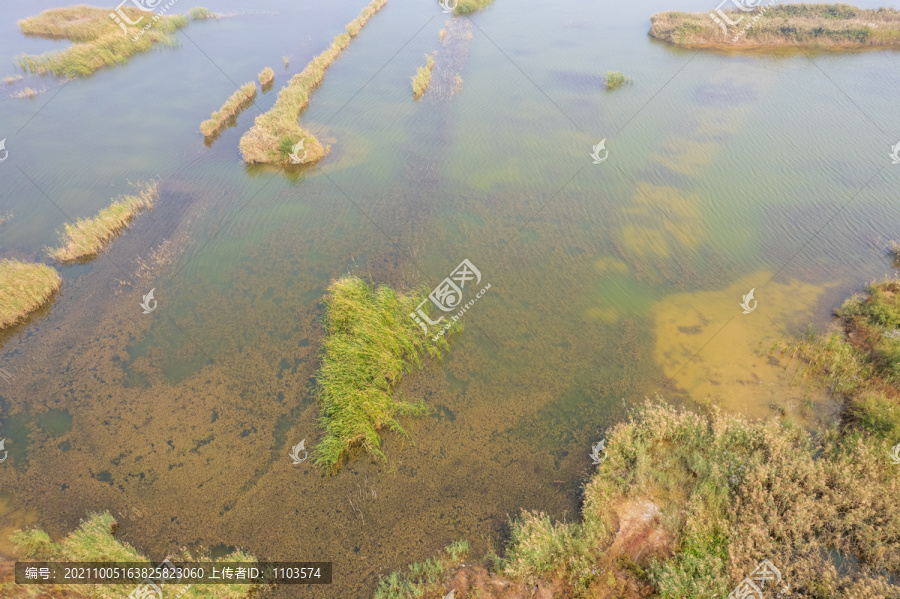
[232,107]
[88,236]
[467,7]
[200,13]
[276,132]
[423,77]
[24,287]
[266,76]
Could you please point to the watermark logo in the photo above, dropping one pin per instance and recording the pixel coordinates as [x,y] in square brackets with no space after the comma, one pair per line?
[753,586]
[448,296]
[449,5]
[146,303]
[451,594]
[6,152]
[895,153]
[595,453]
[600,147]
[148,6]
[295,453]
[3,449]
[895,456]
[295,159]
[746,6]
[746,303]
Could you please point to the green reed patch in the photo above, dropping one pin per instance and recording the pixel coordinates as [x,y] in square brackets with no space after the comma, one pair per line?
[94,541]
[24,287]
[88,236]
[615,79]
[98,40]
[200,13]
[232,107]
[274,134]
[467,7]
[423,77]
[423,578]
[371,342]
[808,25]
[266,76]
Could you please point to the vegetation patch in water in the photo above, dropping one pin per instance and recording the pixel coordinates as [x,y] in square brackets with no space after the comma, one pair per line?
[615,79]
[423,77]
[232,107]
[94,541]
[266,76]
[467,7]
[99,41]
[371,341]
[425,578]
[200,13]
[88,236]
[24,287]
[276,133]
[807,25]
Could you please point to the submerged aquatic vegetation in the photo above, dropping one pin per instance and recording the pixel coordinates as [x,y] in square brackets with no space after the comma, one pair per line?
[423,77]
[422,578]
[233,106]
[371,342]
[266,76]
[88,236]
[98,40]
[615,79]
[94,541]
[275,133]
[808,25]
[24,287]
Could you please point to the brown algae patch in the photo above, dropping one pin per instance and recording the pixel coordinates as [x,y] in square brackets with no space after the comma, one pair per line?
[732,368]
[88,236]
[233,106]
[24,287]
[99,41]
[276,133]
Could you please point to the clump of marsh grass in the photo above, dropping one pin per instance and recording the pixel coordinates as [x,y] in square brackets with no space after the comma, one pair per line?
[276,132]
[287,61]
[615,79]
[805,25]
[467,7]
[26,93]
[24,287]
[232,107]
[894,251]
[266,76]
[442,34]
[200,13]
[98,40]
[94,541]
[88,236]
[371,342]
[12,79]
[423,578]
[423,77]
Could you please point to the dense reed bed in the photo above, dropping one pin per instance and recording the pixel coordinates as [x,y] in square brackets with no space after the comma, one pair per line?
[24,287]
[232,107]
[422,77]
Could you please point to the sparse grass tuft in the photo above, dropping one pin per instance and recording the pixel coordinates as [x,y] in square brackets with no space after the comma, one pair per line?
[422,578]
[266,76]
[26,93]
[232,107]
[199,13]
[423,77]
[88,236]
[371,341]
[274,133]
[12,79]
[98,40]
[24,287]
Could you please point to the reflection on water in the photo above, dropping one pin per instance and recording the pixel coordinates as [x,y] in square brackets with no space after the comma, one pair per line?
[609,282]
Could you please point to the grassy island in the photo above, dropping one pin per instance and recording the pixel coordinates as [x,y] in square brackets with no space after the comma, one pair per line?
[99,41]
[467,7]
[371,341]
[232,107]
[686,505]
[423,77]
[24,287]
[266,76]
[88,236]
[274,134]
[94,541]
[803,25]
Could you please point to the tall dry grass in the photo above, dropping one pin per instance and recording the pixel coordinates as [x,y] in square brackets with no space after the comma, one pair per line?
[266,76]
[276,132]
[24,287]
[232,107]
[88,236]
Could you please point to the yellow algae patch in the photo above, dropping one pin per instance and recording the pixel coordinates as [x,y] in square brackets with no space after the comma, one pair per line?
[718,355]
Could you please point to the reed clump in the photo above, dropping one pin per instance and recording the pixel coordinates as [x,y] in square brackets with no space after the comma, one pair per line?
[423,77]
[805,25]
[467,7]
[232,107]
[615,79]
[266,76]
[424,578]
[24,287]
[88,236]
[276,132]
[99,41]
[95,541]
[199,13]
[371,342]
